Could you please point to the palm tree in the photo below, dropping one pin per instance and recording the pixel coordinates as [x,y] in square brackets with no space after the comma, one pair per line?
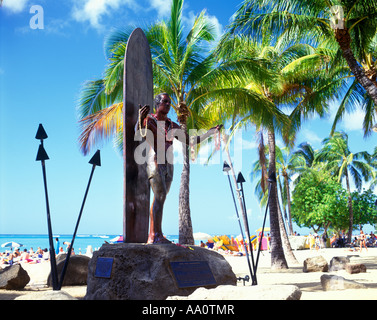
[342,162]
[285,168]
[351,24]
[303,159]
[355,94]
[262,194]
[289,88]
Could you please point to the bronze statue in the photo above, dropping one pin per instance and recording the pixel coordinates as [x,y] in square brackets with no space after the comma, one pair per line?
[160,132]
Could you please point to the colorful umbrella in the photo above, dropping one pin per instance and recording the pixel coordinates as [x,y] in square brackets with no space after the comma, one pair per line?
[11,244]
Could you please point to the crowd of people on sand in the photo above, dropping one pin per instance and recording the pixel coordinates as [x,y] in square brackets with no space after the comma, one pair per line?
[234,246]
[359,242]
[40,255]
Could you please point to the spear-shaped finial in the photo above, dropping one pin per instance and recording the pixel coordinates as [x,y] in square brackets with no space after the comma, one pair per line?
[41,133]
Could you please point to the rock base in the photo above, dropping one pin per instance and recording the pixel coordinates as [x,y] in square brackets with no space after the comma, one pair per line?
[143,272]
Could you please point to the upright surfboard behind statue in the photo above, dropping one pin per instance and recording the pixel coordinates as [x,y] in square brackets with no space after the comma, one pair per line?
[137,90]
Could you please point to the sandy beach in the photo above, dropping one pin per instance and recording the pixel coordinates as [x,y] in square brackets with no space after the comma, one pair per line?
[309,283]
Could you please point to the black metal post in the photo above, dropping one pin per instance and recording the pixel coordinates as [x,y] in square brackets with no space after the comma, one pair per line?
[241,180]
[42,156]
[95,161]
[226,166]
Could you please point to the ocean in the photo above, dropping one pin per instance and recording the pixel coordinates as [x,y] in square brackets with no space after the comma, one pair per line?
[80,244]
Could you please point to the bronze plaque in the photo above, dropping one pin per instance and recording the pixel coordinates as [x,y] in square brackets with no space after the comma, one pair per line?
[192,274]
[104,266]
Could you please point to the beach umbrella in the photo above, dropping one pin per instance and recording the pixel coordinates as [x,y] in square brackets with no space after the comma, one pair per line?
[265,230]
[11,244]
[117,239]
[202,236]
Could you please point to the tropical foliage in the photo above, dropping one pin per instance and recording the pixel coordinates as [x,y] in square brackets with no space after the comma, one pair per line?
[319,198]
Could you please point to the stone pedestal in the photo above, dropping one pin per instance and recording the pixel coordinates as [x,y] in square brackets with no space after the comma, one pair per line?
[143,272]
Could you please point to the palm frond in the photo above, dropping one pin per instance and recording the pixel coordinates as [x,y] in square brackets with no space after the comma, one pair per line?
[100,125]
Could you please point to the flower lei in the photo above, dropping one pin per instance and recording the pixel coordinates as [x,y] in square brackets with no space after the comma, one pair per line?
[166,132]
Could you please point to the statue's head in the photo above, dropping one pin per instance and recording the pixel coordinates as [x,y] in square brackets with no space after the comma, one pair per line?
[162,99]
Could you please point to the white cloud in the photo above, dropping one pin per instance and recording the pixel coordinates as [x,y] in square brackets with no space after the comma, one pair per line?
[15,6]
[93,10]
[310,136]
[353,121]
[162,7]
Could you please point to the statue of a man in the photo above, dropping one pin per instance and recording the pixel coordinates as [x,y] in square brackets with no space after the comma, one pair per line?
[160,161]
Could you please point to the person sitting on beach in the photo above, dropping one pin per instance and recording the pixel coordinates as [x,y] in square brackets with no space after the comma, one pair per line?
[17,253]
[25,256]
[61,251]
[39,253]
[31,252]
[9,259]
[46,254]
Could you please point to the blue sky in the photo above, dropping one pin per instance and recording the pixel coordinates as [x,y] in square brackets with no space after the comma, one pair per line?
[41,71]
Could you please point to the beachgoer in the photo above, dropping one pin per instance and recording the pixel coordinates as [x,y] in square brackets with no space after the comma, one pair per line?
[68,244]
[362,238]
[61,251]
[317,242]
[311,240]
[46,254]
[57,246]
[202,244]
[39,253]
[160,161]
[17,253]
[25,256]
[89,251]
[10,259]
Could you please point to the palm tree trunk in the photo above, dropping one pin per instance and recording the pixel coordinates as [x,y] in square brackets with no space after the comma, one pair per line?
[186,236]
[344,40]
[291,258]
[350,208]
[277,254]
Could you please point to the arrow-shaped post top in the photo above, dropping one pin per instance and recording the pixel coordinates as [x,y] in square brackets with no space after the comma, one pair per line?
[42,154]
[240,178]
[272,177]
[96,159]
[41,133]
[226,167]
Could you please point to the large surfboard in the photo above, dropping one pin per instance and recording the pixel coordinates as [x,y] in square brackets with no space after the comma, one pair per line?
[137,90]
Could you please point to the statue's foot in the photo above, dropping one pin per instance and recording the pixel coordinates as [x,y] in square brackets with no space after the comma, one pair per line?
[157,238]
